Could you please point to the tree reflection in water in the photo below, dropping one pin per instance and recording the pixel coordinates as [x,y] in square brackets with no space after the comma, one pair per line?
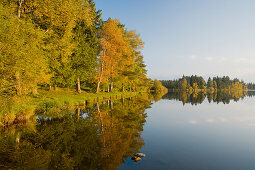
[101,136]
[217,97]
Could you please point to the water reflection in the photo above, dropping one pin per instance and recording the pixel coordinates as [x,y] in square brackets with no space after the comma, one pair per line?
[100,136]
[217,97]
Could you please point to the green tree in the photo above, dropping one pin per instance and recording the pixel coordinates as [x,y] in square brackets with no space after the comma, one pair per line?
[184,84]
[22,61]
[84,58]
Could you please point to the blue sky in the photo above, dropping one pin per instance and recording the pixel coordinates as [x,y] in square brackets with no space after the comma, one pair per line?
[203,37]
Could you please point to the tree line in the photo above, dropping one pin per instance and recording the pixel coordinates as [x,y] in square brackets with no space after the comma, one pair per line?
[197,83]
[66,43]
[251,86]
[218,97]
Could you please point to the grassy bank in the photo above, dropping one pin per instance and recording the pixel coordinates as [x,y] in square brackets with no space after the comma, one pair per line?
[17,109]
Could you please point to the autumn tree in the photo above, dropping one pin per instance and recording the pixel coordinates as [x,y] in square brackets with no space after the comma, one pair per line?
[22,61]
[67,41]
[184,84]
[113,48]
[58,18]
[134,71]
[158,87]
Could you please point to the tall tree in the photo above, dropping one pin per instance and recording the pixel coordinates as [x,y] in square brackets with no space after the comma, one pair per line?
[22,60]
[184,84]
[84,59]
[58,18]
[113,48]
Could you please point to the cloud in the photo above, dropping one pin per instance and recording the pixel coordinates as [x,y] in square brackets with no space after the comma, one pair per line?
[193,122]
[222,119]
[193,57]
[210,120]
[242,60]
[222,59]
[245,60]
[209,58]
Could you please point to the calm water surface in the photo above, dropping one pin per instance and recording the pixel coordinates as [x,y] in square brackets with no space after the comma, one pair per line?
[199,136]
[180,132]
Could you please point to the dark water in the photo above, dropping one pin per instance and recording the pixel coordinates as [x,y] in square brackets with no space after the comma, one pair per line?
[181,131]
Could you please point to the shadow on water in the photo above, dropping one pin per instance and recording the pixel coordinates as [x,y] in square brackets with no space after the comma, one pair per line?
[218,97]
[100,136]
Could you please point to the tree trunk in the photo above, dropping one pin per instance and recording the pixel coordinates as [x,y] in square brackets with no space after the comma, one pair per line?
[123,87]
[78,85]
[18,138]
[18,83]
[20,6]
[111,86]
[111,105]
[78,113]
[55,87]
[100,78]
[98,86]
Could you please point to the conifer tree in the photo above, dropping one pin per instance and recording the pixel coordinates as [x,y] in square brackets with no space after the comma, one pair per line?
[84,58]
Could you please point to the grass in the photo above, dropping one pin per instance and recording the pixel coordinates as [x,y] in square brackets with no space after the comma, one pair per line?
[21,108]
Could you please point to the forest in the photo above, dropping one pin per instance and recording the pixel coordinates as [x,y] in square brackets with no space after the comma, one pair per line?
[197,83]
[66,44]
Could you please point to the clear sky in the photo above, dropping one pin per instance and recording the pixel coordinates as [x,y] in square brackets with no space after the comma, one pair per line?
[203,37]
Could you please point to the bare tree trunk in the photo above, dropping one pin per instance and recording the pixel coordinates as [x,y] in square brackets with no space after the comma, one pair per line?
[111,104]
[18,138]
[18,83]
[100,78]
[111,85]
[78,113]
[123,87]
[20,6]
[78,85]
[98,85]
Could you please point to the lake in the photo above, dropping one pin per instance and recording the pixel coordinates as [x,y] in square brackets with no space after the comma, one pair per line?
[180,131]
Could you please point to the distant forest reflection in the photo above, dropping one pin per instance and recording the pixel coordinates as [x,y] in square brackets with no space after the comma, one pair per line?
[217,97]
[99,136]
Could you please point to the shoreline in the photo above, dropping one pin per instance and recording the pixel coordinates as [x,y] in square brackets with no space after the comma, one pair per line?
[19,109]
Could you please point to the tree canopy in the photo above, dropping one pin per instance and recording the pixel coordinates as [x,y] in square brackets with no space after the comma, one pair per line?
[67,44]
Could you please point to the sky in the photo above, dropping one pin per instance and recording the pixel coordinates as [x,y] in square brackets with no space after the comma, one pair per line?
[202,37]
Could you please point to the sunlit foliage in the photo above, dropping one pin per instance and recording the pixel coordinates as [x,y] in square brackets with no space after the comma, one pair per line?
[65,43]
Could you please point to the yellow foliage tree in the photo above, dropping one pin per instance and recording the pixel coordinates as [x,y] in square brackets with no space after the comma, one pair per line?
[114,47]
